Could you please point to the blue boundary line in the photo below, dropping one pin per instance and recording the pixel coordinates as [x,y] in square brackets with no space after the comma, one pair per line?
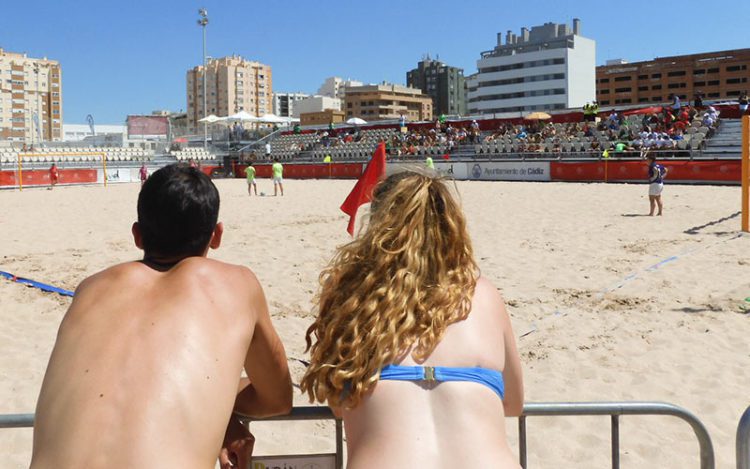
[33,283]
[634,275]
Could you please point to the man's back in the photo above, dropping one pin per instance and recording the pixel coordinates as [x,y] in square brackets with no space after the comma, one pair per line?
[146,367]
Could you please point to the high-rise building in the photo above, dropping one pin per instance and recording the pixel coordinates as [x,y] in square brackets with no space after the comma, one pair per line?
[283,103]
[233,84]
[715,75]
[386,101]
[335,87]
[548,67]
[30,98]
[445,84]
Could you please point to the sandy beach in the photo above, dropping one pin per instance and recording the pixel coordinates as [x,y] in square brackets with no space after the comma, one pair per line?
[607,304]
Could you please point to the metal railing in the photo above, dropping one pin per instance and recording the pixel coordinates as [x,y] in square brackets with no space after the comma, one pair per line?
[615,410]
[542,409]
[743,441]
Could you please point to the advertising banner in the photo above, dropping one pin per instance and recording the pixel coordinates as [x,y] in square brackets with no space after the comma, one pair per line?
[311,461]
[452,170]
[119,175]
[510,171]
[148,126]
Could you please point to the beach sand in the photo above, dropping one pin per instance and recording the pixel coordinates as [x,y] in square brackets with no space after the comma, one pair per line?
[611,305]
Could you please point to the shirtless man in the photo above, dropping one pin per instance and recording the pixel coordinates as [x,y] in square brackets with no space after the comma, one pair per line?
[146,368]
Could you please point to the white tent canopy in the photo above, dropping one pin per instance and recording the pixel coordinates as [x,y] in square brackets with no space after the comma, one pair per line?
[272,119]
[210,119]
[356,121]
[241,116]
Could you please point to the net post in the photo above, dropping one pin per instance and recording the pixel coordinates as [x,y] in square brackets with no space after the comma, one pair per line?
[745,173]
[20,172]
[104,167]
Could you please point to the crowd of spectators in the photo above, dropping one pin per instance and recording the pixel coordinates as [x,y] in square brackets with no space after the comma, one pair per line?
[444,135]
[662,130]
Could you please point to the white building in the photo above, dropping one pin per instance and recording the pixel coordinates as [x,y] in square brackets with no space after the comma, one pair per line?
[545,68]
[334,87]
[283,103]
[316,104]
[79,132]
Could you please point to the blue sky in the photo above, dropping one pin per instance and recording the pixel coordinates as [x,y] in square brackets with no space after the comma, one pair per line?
[131,56]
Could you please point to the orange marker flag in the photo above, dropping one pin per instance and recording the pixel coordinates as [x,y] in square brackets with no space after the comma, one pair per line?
[362,192]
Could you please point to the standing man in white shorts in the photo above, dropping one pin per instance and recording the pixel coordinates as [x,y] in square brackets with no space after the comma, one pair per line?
[656,175]
[278,172]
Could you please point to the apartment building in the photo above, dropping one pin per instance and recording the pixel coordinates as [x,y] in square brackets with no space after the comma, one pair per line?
[284,103]
[316,104]
[443,83]
[544,68]
[715,75]
[30,98]
[387,101]
[335,87]
[233,84]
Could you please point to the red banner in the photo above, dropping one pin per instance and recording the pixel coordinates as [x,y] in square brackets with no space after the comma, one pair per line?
[622,171]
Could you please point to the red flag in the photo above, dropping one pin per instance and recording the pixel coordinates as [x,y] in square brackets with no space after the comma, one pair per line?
[362,192]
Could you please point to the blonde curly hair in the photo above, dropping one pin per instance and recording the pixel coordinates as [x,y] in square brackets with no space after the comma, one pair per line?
[392,290]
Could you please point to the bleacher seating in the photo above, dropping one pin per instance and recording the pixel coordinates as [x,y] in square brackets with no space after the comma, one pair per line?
[312,145]
[74,154]
[196,154]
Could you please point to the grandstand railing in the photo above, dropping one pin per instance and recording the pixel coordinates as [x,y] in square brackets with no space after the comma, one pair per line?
[541,409]
[743,441]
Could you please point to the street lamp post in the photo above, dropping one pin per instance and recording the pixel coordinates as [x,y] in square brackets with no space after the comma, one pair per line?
[39,116]
[203,21]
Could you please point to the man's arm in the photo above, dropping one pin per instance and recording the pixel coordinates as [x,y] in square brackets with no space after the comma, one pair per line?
[268,390]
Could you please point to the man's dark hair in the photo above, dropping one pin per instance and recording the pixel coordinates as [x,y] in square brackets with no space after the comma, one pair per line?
[177,211]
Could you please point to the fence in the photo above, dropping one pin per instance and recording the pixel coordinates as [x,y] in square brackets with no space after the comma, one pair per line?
[547,409]
[615,410]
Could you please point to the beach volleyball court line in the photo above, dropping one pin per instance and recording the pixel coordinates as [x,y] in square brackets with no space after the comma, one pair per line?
[652,268]
[33,283]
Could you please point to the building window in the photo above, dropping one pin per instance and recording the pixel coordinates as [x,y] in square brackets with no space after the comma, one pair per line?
[626,78]
[734,81]
[642,77]
[642,100]
[713,83]
[699,83]
[604,80]
[676,73]
[673,86]
[656,87]
[604,103]
[623,90]
[713,95]
[656,75]
[656,99]
[736,68]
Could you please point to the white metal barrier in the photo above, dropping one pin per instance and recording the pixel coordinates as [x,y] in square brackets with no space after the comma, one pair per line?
[743,441]
[542,409]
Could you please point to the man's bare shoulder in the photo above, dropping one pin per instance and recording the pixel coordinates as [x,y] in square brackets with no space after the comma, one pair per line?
[214,270]
[200,270]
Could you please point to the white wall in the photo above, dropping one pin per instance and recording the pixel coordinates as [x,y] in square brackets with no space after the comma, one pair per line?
[316,104]
[581,72]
